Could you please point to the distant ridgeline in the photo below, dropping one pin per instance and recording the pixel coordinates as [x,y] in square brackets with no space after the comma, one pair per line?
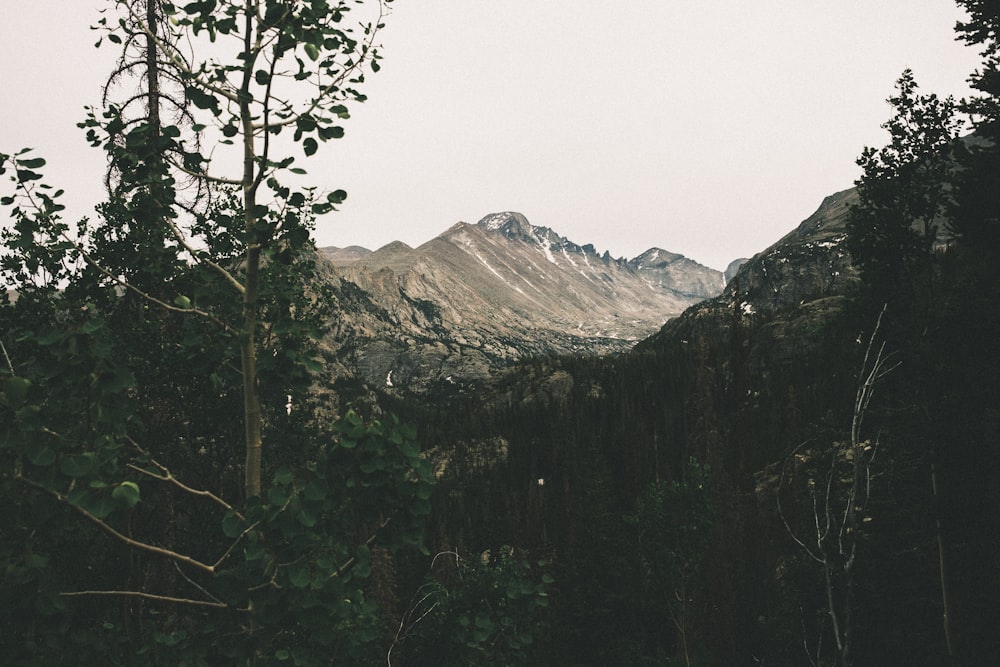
[464,305]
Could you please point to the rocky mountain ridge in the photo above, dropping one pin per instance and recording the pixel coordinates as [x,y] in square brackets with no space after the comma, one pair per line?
[794,285]
[480,296]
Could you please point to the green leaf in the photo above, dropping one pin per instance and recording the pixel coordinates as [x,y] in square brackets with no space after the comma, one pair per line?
[91,326]
[334,132]
[77,465]
[31,163]
[299,577]
[315,491]
[101,507]
[232,525]
[277,496]
[127,493]
[201,99]
[309,145]
[283,476]
[26,175]
[42,456]
[16,389]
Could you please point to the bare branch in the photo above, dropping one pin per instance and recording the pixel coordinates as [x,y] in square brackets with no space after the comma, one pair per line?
[135,544]
[149,297]
[170,479]
[6,357]
[177,60]
[249,529]
[204,175]
[149,596]
[194,583]
[226,275]
[352,561]
[781,511]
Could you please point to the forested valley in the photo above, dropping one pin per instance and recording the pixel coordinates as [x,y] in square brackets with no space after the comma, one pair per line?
[801,471]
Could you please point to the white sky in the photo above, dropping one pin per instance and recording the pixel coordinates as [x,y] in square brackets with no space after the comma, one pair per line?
[705,127]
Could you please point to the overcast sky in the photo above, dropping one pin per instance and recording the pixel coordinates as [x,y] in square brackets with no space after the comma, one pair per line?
[705,127]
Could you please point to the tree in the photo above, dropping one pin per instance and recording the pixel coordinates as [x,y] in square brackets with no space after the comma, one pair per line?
[976,199]
[902,192]
[674,520]
[839,498]
[136,345]
[483,609]
[983,29]
[248,102]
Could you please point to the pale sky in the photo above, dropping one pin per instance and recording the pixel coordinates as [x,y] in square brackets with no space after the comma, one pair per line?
[705,127]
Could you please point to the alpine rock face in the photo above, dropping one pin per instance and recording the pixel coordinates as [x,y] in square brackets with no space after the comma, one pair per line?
[480,296]
[794,285]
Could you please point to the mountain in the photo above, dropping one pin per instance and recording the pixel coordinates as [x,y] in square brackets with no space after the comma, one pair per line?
[480,296]
[808,263]
[795,285]
[760,385]
[736,381]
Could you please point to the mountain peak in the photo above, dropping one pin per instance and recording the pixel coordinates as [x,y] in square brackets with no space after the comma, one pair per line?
[509,223]
[655,257]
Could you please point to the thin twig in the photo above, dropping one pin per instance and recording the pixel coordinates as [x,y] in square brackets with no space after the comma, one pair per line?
[352,561]
[781,512]
[194,583]
[149,596]
[7,358]
[232,546]
[169,478]
[149,297]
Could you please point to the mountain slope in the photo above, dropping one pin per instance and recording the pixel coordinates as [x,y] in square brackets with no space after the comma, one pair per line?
[479,296]
[795,283]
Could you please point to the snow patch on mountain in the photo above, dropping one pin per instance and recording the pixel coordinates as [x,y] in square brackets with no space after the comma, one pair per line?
[544,245]
[495,221]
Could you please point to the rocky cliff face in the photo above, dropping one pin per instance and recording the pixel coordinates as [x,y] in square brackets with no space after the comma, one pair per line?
[778,300]
[808,263]
[794,283]
[478,297]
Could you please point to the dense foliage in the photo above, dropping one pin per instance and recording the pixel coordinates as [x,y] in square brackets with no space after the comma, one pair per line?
[713,497]
[151,352]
